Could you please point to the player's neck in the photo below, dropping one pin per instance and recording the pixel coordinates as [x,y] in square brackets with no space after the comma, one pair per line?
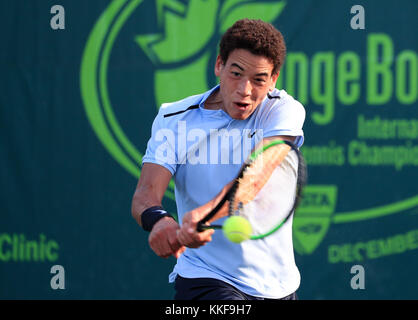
[214,101]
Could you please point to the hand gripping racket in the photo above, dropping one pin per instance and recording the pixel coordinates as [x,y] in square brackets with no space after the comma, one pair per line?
[266,191]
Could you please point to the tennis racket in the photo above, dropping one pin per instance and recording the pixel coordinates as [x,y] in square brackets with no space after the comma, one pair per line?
[270,177]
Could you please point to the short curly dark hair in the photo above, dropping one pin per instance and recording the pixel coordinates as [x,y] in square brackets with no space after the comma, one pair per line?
[256,36]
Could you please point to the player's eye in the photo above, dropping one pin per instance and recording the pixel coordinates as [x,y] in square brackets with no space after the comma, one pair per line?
[235,74]
[260,81]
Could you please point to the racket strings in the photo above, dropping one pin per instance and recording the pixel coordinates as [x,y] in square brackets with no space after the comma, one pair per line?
[274,202]
[256,175]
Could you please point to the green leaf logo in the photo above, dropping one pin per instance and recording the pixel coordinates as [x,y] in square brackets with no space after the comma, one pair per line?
[189,36]
[187,29]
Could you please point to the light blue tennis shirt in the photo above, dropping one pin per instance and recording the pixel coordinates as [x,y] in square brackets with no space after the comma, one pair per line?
[204,150]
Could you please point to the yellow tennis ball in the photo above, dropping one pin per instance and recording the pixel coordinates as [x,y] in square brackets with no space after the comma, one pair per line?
[237,229]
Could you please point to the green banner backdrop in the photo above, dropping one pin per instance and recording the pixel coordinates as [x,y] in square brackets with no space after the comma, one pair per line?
[81,83]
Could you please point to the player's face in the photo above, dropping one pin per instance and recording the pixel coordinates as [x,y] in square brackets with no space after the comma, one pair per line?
[245,80]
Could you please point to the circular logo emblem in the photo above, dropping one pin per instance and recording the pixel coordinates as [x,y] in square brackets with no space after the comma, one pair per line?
[355,156]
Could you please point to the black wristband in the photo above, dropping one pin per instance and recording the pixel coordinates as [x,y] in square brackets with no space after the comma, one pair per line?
[152,215]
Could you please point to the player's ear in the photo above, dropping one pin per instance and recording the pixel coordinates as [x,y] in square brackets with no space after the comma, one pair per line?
[219,64]
[274,78]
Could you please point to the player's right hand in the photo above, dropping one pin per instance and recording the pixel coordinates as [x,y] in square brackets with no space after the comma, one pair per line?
[163,238]
[188,234]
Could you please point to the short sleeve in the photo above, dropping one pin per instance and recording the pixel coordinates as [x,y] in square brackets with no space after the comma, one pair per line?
[161,145]
[285,119]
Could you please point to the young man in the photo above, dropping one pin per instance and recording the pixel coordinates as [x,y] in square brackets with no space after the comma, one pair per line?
[192,142]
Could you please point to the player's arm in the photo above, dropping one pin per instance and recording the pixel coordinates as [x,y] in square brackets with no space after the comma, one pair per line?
[188,235]
[147,201]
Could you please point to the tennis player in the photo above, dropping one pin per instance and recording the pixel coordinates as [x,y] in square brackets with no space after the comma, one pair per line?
[201,142]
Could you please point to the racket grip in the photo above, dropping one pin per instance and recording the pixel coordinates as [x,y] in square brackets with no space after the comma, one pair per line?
[199,227]
[202,227]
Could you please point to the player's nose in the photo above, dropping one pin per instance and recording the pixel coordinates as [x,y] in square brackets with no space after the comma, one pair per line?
[244,87]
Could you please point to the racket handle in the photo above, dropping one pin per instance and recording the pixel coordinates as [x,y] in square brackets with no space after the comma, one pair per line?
[202,227]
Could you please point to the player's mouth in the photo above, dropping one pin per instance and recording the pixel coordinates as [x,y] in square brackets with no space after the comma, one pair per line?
[241,105]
